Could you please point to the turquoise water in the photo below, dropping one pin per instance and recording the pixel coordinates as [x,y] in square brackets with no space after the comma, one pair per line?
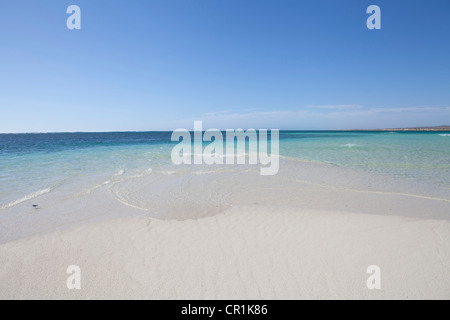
[422,156]
[32,164]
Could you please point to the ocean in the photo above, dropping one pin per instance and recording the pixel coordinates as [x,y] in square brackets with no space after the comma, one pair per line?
[35,164]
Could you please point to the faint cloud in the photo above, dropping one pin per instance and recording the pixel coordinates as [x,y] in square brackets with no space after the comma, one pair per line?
[324,117]
[335,107]
[216,113]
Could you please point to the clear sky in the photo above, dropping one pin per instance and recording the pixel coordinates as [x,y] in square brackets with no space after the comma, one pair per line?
[161,64]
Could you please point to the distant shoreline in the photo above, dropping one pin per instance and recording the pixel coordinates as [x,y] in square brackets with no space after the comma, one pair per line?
[438,128]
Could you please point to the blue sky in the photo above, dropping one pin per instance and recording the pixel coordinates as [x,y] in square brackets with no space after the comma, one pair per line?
[160,65]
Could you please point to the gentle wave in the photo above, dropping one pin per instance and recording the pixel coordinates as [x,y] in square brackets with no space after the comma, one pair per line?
[119,173]
[26,198]
[349,145]
[218,155]
[88,191]
[445,135]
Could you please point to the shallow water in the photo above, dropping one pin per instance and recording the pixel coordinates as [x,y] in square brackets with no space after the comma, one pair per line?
[35,164]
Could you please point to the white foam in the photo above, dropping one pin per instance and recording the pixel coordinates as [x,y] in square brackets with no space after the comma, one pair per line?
[101,185]
[445,135]
[96,187]
[119,173]
[349,145]
[26,198]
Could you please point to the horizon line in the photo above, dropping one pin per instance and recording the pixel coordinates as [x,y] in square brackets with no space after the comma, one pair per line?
[425,128]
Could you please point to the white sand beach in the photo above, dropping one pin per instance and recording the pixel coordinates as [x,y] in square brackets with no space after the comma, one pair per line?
[224,150]
[308,233]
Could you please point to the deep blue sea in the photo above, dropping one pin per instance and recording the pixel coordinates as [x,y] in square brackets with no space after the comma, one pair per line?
[33,164]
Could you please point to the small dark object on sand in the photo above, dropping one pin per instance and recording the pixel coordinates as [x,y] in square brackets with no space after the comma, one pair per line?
[35,206]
